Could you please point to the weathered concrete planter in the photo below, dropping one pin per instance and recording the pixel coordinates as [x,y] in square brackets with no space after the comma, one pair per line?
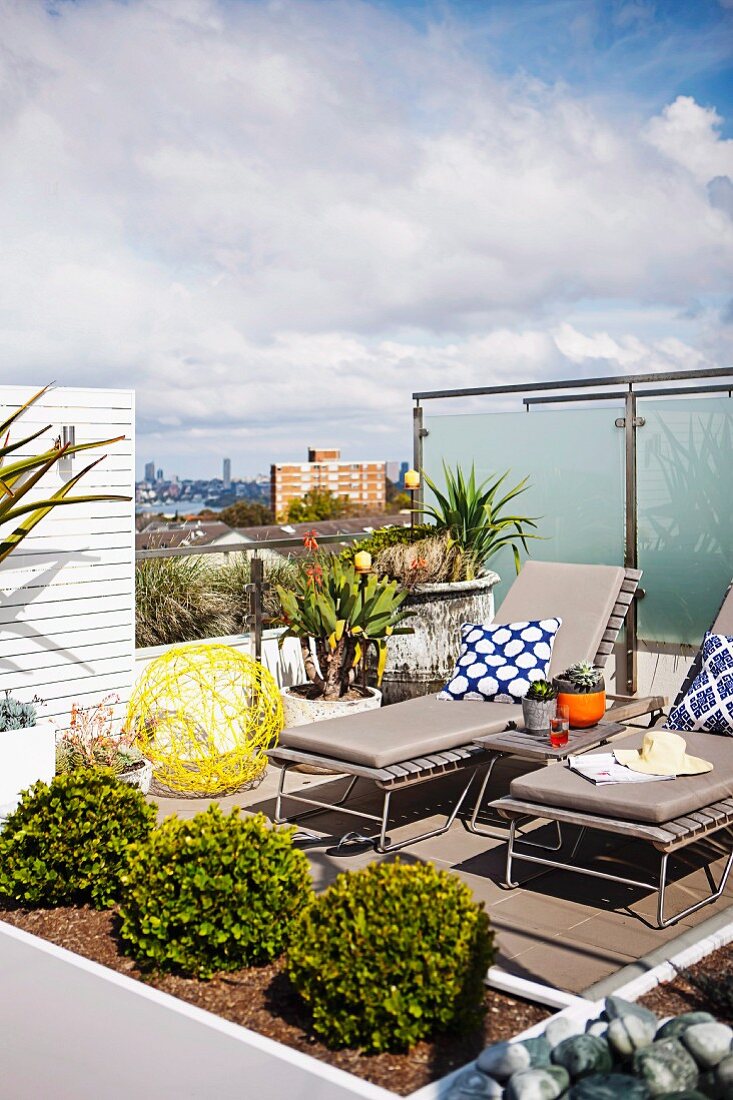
[26,755]
[537,714]
[421,662]
[299,711]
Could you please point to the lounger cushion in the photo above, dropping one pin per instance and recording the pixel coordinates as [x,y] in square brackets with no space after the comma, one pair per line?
[657,802]
[583,596]
[405,731]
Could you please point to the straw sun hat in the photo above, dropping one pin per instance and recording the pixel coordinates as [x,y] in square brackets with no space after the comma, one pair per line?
[662,753]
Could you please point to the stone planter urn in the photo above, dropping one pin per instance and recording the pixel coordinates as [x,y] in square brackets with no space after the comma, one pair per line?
[420,663]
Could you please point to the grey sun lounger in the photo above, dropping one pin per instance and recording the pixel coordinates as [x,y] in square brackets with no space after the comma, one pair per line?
[422,739]
[670,815]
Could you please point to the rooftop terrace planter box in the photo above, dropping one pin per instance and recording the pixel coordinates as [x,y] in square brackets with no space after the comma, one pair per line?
[73,1028]
[26,755]
[420,663]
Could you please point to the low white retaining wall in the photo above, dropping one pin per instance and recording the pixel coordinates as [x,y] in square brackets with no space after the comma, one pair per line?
[285,664]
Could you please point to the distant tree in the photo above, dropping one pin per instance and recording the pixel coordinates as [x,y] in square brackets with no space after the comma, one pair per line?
[397,499]
[318,504]
[246,513]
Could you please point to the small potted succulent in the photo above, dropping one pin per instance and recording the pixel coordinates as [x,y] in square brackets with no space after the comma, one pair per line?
[26,748]
[582,689]
[538,706]
[90,742]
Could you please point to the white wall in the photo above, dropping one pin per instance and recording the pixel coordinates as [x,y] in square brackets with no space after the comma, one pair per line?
[67,594]
[285,664]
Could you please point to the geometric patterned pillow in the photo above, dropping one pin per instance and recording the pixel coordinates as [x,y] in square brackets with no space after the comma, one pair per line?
[498,663]
[708,704]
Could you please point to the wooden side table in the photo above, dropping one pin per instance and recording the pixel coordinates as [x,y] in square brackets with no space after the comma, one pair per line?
[538,749]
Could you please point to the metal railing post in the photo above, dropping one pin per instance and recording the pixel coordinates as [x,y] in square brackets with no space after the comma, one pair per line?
[256,603]
[418,434]
[631,547]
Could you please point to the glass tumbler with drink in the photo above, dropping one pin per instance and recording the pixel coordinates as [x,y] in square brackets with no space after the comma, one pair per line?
[559,726]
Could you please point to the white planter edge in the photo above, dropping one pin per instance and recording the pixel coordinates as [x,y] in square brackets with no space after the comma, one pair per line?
[282,1073]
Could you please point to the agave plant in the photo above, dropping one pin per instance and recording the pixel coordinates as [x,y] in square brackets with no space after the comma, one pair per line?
[474,516]
[343,613]
[19,476]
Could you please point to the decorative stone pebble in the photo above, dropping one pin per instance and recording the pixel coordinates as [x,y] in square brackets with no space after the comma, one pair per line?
[675,1027]
[559,1029]
[539,1051]
[582,1055]
[599,1028]
[724,1074]
[617,1008]
[708,1043]
[609,1086]
[503,1059]
[686,1094]
[473,1085]
[627,1034]
[538,1084]
[666,1066]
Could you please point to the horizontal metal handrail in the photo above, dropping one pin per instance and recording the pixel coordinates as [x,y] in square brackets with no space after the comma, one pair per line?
[296,542]
[629,380]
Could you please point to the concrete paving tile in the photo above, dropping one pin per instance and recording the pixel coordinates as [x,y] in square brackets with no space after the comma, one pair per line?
[568,965]
[529,906]
[484,889]
[622,932]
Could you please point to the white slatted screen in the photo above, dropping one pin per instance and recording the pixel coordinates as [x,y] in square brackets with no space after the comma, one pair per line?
[67,603]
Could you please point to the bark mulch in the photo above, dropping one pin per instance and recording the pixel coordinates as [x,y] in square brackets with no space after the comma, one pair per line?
[714,974]
[262,998]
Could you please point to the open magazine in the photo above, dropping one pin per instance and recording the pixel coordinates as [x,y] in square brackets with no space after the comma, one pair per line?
[603,768]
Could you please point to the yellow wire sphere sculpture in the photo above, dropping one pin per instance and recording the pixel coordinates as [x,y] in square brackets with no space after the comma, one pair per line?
[204,714]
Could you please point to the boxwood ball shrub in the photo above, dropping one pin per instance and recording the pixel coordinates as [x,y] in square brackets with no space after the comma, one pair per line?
[216,892]
[69,841]
[390,955]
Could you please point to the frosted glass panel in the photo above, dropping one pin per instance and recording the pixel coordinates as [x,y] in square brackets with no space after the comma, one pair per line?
[574,459]
[685,495]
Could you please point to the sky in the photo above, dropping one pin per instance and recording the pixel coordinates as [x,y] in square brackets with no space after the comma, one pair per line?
[276,219]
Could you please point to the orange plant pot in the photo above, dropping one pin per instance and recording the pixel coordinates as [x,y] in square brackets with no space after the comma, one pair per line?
[584,709]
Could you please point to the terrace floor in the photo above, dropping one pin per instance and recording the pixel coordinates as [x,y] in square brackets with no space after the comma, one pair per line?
[558,928]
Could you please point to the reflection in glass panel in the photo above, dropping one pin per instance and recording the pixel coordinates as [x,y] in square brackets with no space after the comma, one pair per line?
[574,459]
[685,495]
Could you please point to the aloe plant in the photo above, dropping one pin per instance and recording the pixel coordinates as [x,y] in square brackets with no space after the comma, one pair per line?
[344,613]
[18,477]
[474,517]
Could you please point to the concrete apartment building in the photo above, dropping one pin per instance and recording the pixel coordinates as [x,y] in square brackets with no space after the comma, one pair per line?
[362,482]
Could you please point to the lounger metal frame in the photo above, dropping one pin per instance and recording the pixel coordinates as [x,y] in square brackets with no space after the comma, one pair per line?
[406,774]
[666,839]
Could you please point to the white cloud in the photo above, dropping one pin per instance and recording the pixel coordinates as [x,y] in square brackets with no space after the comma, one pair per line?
[284,217]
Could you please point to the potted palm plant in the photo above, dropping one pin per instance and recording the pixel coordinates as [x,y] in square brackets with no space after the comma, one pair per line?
[583,690]
[338,614]
[444,564]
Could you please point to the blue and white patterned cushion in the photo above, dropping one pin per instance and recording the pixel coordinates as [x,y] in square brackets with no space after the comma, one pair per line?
[498,663]
[708,704]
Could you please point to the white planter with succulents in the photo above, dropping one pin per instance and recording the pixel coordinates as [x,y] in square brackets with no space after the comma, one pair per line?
[27,750]
[90,741]
[338,612]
